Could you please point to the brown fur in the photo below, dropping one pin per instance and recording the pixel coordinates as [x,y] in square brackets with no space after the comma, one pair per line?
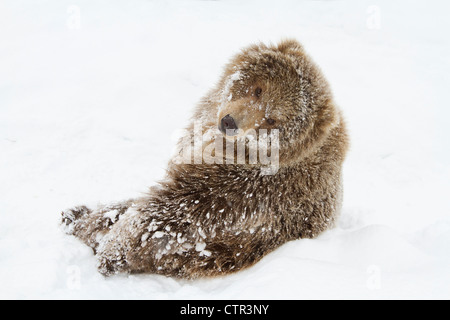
[213,219]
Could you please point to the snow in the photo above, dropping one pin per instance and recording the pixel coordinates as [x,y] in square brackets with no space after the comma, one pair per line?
[91,94]
[226,94]
[158,234]
[112,215]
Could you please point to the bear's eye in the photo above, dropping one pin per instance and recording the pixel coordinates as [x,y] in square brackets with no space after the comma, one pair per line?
[258,92]
[270,121]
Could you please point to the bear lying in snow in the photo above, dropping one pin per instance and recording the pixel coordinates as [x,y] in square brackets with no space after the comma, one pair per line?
[223,211]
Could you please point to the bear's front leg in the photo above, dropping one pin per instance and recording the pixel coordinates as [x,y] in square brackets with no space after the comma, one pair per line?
[123,237]
[91,225]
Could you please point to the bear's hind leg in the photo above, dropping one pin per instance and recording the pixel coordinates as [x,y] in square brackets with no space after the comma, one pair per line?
[91,225]
[70,217]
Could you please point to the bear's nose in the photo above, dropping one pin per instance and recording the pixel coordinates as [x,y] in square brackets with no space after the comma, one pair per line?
[228,126]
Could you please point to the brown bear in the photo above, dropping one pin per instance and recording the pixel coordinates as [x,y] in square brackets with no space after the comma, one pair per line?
[210,218]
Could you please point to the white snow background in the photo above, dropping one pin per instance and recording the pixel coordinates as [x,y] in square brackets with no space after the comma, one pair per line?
[92,94]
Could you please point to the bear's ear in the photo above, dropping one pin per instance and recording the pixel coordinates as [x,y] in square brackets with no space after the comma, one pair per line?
[290,46]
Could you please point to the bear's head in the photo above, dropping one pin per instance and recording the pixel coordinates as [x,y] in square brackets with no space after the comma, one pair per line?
[276,87]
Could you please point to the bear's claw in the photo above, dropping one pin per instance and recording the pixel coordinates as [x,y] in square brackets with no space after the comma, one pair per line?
[70,216]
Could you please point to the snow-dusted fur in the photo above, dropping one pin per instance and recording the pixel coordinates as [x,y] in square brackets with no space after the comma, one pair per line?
[213,219]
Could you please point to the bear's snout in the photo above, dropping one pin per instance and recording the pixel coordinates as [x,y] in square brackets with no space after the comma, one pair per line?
[228,126]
